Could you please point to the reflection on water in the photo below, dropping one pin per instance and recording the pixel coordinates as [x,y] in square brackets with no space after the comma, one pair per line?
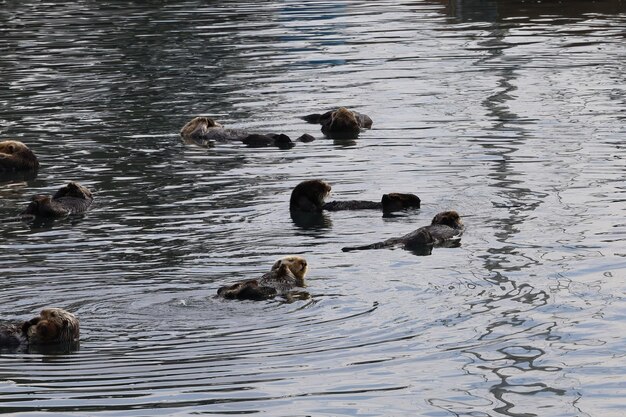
[509,112]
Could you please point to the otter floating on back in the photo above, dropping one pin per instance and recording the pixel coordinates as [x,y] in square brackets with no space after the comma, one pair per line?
[52,326]
[72,198]
[309,196]
[286,274]
[16,156]
[341,123]
[445,227]
[206,131]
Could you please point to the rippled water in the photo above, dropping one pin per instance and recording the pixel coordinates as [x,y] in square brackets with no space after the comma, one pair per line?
[511,113]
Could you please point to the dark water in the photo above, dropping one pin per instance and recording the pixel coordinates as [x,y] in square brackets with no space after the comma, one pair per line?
[511,113]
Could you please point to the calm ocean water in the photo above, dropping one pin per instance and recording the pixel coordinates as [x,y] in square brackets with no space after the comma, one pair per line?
[510,112]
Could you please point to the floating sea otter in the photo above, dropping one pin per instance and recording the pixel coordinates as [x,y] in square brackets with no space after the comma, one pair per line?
[286,274]
[308,196]
[445,228]
[15,156]
[205,131]
[52,326]
[70,199]
[341,123]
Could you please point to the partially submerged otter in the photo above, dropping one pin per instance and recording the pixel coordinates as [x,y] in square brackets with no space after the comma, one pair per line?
[309,196]
[52,326]
[286,274]
[15,156]
[70,199]
[206,131]
[445,227]
[341,123]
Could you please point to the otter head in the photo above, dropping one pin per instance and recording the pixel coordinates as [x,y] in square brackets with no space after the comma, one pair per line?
[198,126]
[54,325]
[399,201]
[73,189]
[309,196]
[19,150]
[343,120]
[448,218]
[292,265]
[39,204]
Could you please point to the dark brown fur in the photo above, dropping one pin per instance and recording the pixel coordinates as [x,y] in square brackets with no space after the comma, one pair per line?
[15,156]
[70,199]
[256,140]
[52,326]
[445,226]
[341,123]
[309,196]
[205,131]
[286,273]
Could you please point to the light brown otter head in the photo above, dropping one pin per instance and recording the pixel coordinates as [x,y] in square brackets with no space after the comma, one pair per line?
[73,189]
[54,325]
[343,120]
[292,264]
[448,218]
[309,196]
[20,155]
[198,127]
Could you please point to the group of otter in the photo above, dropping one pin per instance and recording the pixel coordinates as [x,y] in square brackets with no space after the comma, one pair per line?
[55,325]
[338,124]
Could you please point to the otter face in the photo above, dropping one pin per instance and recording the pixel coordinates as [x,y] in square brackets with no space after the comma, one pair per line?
[54,325]
[309,195]
[198,126]
[20,157]
[9,147]
[448,218]
[294,264]
[73,189]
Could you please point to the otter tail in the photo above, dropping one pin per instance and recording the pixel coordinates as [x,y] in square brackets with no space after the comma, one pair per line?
[377,245]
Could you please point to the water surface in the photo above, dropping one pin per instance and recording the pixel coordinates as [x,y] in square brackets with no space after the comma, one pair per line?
[511,113]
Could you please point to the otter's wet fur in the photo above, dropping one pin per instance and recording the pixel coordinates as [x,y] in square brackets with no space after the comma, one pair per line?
[72,198]
[256,140]
[309,196]
[341,123]
[16,156]
[445,227]
[206,131]
[52,326]
[286,274]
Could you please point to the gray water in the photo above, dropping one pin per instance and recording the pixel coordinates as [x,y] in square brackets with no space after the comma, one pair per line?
[510,112]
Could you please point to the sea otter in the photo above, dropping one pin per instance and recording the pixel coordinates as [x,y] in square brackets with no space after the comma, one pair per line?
[286,274]
[341,123]
[70,199]
[206,131]
[445,227]
[308,196]
[52,326]
[15,156]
